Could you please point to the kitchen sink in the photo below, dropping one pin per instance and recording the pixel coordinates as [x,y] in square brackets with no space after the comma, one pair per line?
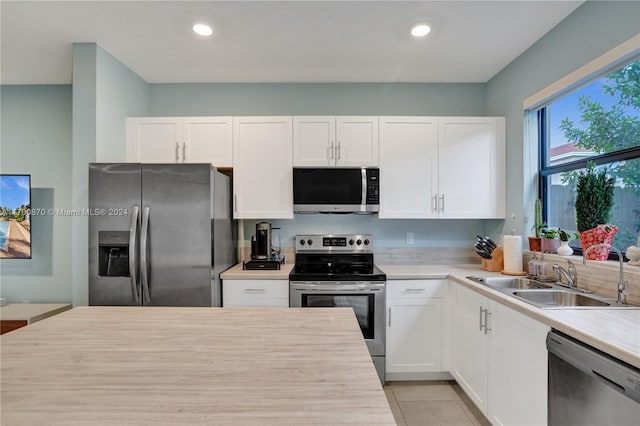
[558,298]
[509,282]
[548,295]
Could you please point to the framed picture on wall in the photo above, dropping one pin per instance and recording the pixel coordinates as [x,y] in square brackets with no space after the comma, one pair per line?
[15,216]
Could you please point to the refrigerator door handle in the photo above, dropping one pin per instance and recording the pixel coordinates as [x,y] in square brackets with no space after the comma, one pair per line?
[144,269]
[133,254]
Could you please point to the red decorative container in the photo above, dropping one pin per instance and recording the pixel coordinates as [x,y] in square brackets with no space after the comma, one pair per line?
[535,244]
[599,235]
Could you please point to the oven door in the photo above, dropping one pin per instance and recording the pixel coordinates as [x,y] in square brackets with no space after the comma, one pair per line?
[366,299]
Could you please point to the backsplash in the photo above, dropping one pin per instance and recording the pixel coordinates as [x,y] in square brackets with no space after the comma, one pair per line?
[425,256]
[401,256]
[597,276]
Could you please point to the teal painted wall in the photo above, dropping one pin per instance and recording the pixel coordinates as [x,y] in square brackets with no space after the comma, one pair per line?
[591,30]
[104,93]
[39,120]
[84,152]
[119,94]
[35,136]
[336,99]
[53,132]
[316,99]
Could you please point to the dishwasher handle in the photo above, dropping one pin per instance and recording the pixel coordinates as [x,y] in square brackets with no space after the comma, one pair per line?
[614,373]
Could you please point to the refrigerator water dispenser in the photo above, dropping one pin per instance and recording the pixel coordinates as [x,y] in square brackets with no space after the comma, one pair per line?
[113,253]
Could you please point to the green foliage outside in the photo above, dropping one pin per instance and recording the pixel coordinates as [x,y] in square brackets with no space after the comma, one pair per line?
[18,214]
[606,129]
[594,198]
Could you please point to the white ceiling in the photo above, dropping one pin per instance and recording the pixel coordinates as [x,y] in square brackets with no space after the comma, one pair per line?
[275,41]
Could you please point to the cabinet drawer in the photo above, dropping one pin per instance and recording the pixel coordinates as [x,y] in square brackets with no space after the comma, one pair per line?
[412,289]
[255,293]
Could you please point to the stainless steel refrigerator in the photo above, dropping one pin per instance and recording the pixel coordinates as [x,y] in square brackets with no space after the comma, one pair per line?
[159,234]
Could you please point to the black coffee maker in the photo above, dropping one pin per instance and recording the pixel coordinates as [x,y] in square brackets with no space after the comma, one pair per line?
[261,243]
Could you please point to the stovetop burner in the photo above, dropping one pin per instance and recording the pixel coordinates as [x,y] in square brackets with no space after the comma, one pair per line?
[344,257]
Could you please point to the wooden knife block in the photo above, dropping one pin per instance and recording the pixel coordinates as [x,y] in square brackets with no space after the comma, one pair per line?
[496,263]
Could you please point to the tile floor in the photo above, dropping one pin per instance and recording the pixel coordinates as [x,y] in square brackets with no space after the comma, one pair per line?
[440,402]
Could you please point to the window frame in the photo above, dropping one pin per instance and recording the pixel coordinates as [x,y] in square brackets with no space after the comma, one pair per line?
[545,170]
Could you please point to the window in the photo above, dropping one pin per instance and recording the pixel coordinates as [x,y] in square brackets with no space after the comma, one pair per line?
[598,122]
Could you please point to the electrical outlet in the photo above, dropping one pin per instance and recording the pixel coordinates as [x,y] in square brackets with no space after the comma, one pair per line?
[409,237]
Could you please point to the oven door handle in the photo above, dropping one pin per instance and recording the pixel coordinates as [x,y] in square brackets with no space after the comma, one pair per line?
[339,288]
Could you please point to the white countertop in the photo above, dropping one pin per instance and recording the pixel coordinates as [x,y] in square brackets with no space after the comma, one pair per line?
[98,365]
[614,331]
[237,273]
[31,312]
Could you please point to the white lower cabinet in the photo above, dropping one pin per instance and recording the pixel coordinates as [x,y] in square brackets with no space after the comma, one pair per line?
[518,368]
[255,293]
[417,344]
[499,358]
[470,344]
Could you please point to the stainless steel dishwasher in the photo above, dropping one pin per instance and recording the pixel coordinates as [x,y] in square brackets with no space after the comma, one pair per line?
[589,387]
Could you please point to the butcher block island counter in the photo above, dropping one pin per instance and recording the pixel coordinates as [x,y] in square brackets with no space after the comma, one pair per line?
[192,366]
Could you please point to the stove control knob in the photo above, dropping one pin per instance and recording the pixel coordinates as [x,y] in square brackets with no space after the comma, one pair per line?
[359,242]
[310,241]
[351,242]
[366,242]
[301,242]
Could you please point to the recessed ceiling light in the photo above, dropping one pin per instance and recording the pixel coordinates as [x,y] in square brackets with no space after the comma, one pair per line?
[202,29]
[420,30]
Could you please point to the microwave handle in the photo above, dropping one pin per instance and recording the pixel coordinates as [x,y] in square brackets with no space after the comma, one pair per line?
[363,202]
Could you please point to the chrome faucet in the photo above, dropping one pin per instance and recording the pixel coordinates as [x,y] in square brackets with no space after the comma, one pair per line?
[571,274]
[622,285]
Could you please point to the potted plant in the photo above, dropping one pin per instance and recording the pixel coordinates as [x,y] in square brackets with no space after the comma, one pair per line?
[565,237]
[550,241]
[594,200]
[535,243]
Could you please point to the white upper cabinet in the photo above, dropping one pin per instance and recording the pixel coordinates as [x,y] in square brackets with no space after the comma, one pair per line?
[471,167]
[154,139]
[335,141]
[262,168]
[180,140]
[442,167]
[208,140]
[408,167]
[314,140]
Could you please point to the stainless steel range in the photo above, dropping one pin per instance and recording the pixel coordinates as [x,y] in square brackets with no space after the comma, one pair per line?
[338,271]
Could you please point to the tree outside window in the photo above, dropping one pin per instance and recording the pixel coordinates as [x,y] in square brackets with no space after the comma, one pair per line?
[601,123]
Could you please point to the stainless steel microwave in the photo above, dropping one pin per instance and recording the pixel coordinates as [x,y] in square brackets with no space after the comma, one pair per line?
[336,190]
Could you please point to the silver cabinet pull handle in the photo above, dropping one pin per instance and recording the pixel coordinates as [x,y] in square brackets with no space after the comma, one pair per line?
[235,203]
[338,153]
[255,290]
[442,203]
[133,254]
[487,314]
[415,290]
[331,151]
[177,151]
[435,203]
[144,274]
[481,314]
[184,152]
[363,195]
[389,317]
